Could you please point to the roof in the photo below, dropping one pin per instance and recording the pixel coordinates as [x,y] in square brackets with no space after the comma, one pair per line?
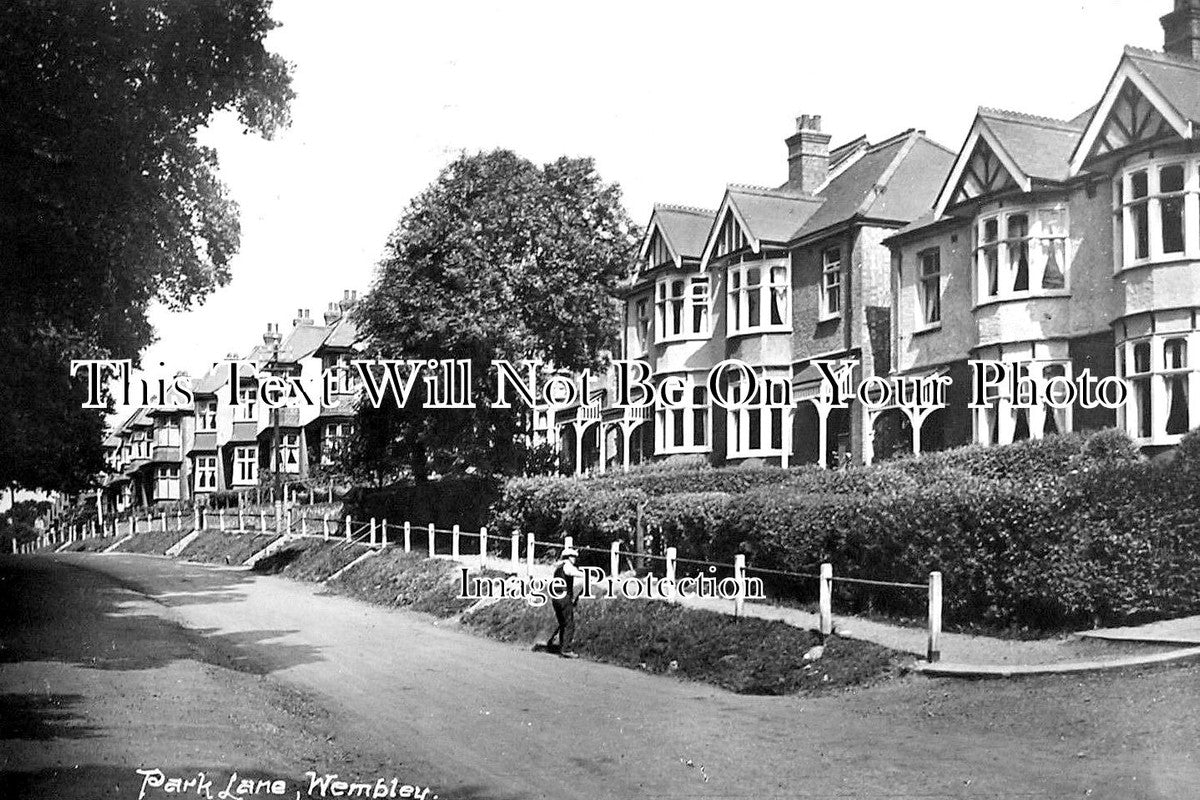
[1176,77]
[684,227]
[771,215]
[1040,146]
[344,334]
[211,382]
[895,180]
[302,341]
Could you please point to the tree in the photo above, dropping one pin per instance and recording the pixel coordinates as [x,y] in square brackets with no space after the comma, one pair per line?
[497,259]
[108,201]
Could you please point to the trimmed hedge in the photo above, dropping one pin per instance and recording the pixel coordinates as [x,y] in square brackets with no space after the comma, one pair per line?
[1063,532]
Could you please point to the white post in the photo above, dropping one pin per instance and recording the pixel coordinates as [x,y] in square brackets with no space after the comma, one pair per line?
[454,542]
[432,543]
[739,575]
[241,517]
[163,517]
[303,523]
[262,520]
[178,520]
[483,547]
[325,525]
[348,536]
[195,518]
[407,537]
[614,559]
[934,651]
[568,541]
[826,599]
[671,555]
[529,555]
[287,521]
[516,551]
[372,531]
[14,544]
[221,520]
[383,531]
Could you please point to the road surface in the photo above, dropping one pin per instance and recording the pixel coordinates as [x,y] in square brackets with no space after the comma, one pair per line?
[118,662]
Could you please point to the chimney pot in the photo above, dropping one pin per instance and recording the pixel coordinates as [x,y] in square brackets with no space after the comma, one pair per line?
[1181,29]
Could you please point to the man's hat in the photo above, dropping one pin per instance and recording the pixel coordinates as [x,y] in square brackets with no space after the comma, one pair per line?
[569,552]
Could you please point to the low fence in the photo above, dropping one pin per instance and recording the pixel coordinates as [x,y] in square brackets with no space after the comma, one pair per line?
[516,552]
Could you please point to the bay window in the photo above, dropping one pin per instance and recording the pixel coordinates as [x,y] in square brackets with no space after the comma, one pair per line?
[206,420]
[166,482]
[166,434]
[1156,209]
[1006,419]
[289,452]
[1021,253]
[759,296]
[681,308]
[248,402]
[1163,402]
[336,439]
[683,426]
[757,428]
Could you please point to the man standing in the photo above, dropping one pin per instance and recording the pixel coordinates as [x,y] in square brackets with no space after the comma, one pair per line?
[566,572]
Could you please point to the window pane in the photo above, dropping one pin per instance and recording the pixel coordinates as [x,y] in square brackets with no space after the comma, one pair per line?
[1170,179]
[1141,357]
[1175,353]
[1177,405]
[1139,185]
[1053,276]
[1139,218]
[1172,224]
[1018,251]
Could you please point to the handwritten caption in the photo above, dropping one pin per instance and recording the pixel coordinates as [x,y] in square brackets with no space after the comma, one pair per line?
[157,783]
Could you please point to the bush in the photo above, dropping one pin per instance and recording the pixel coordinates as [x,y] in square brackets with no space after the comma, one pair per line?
[463,501]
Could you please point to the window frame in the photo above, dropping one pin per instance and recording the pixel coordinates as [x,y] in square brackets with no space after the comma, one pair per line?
[205,467]
[1047,234]
[164,479]
[206,416]
[686,412]
[741,297]
[740,424]
[245,456]
[669,306]
[923,280]
[831,284]
[1126,206]
[1156,378]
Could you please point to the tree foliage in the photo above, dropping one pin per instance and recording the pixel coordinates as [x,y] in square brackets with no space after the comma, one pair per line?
[108,201]
[498,259]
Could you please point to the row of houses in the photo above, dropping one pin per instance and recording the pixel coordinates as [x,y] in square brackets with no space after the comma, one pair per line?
[169,453]
[1054,244]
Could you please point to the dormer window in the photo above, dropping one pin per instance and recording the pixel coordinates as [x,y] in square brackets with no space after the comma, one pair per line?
[248,401]
[206,419]
[681,308]
[1021,253]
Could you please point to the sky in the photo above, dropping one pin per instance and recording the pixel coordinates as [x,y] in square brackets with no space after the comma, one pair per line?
[673,100]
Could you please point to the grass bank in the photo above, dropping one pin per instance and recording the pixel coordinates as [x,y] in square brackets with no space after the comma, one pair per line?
[309,559]
[156,542]
[215,547]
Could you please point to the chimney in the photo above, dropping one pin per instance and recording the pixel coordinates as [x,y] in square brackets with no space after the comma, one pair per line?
[302,318]
[272,337]
[1181,30]
[333,314]
[808,154]
[349,298]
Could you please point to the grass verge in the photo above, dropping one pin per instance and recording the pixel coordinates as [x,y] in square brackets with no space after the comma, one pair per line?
[152,542]
[406,580]
[309,559]
[747,656]
[214,547]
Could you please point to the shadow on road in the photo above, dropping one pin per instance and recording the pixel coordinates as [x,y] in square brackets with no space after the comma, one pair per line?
[42,717]
[58,612]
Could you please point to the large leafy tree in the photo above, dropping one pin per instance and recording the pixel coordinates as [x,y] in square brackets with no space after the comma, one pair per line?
[498,259]
[108,202]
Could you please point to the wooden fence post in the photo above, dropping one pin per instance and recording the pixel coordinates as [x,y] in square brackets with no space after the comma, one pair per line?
[432,540]
[372,531]
[348,523]
[241,518]
[454,533]
[325,525]
[262,520]
[195,518]
[516,551]
[568,541]
[407,536]
[934,651]
[383,531]
[303,523]
[739,575]
[614,559]
[826,599]
[529,545]
[671,555]
[483,547]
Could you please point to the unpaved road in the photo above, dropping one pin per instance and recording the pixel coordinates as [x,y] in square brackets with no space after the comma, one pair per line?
[110,663]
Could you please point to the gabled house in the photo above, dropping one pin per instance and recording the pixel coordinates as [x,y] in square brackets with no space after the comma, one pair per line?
[1064,245]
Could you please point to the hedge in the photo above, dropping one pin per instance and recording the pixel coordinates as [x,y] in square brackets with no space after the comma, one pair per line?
[1063,532]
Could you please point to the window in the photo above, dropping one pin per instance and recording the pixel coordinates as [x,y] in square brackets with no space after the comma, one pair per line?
[759,297]
[207,418]
[831,283]
[1030,258]
[166,433]
[756,429]
[684,428]
[289,449]
[166,483]
[206,473]
[929,289]
[1156,210]
[141,444]
[1006,419]
[345,375]
[248,402]
[681,308]
[642,312]
[1159,377]
[245,465]
[337,438]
